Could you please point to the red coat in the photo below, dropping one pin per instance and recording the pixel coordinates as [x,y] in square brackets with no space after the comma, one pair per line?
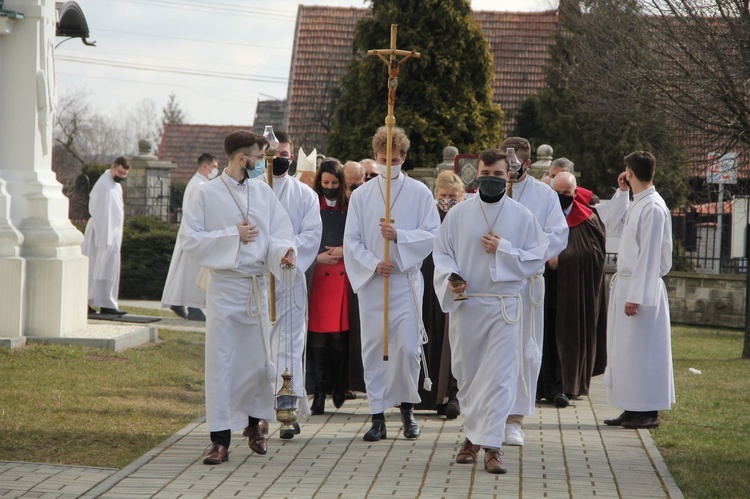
[329,294]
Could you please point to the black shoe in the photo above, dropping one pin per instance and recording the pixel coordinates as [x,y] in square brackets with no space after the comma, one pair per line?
[180,311]
[452,409]
[111,311]
[411,428]
[92,311]
[561,400]
[288,434]
[619,420]
[350,395]
[376,432]
[318,406]
[196,314]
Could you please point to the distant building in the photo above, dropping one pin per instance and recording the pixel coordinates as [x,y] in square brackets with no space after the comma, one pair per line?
[270,112]
[322,49]
[182,144]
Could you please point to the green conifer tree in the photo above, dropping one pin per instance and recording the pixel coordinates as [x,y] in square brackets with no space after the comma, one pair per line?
[443,98]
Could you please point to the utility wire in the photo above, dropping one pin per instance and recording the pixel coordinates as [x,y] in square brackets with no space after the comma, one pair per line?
[150,67]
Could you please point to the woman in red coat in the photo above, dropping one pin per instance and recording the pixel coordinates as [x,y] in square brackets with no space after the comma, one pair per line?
[329,296]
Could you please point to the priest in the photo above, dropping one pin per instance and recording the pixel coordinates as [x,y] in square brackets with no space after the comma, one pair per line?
[494,244]
[639,376]
[180,288]
[302,206]
[238,229]
[410,232]
[575,319]
[103,238]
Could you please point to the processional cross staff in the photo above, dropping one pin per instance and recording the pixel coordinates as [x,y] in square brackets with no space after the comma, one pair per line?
[394,65]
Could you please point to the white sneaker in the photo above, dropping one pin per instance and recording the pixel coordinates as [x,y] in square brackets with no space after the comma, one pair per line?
[514,435]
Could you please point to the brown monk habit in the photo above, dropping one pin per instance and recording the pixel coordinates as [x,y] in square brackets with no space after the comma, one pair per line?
[437,350]
[575,319]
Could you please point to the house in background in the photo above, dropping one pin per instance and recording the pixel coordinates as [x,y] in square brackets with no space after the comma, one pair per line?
[519,42]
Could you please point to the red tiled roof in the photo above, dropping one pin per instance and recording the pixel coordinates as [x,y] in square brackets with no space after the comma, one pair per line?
[182,144]
[322,49]
[519,43]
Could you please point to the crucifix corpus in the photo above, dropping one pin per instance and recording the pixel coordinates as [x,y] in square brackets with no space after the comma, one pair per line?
[394,65]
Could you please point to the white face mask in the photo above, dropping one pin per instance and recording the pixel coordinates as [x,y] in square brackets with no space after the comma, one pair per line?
[213,173]
[395,170]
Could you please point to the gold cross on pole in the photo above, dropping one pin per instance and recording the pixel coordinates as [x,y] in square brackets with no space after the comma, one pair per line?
[394,65]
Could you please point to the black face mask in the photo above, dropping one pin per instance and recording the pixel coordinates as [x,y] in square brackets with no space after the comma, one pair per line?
[330,193]
[354,186]
[117,179]
[491,186]
[280,166]
[565,201]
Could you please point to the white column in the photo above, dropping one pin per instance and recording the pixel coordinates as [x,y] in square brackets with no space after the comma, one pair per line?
[54,293]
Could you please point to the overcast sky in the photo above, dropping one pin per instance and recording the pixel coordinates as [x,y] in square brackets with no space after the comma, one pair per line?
[218,57]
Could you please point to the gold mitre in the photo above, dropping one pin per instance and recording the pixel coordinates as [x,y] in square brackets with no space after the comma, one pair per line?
[306,163]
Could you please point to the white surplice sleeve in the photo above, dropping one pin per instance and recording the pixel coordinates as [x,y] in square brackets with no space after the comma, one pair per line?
[555,226]
[359,261]
[444,257]
[414,245]
[516,263]
[281,235]
[650,239]
[612,213]
[217,249]
[311,230]
[105,210]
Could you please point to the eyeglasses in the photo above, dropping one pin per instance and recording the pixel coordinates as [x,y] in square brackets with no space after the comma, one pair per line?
[253,156]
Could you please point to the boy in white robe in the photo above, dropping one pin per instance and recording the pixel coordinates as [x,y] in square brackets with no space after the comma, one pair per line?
[543,203]
[103,238]
[237,229]
[639,377]
[302,206]
[411,234]
[180,288]
[494,244]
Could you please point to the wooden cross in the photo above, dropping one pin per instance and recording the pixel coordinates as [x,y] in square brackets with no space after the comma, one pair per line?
[394,65]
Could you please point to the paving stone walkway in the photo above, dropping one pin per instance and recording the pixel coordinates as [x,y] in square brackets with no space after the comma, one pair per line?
[568,453]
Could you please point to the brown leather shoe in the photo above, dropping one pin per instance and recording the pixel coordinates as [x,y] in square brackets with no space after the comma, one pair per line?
[263,427]
[256,440]
[492,462]
[468,453]
[641,422]
[216,454]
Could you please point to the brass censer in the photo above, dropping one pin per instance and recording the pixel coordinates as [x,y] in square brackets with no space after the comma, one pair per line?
[286,403]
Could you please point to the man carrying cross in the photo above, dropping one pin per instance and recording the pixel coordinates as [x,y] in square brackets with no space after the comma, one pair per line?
[410,232]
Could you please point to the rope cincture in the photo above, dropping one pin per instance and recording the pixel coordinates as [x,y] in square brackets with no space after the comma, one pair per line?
[253,309]
[423,338]
[608,369]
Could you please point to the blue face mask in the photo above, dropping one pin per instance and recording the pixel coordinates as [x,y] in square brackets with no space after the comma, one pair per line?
[260,167]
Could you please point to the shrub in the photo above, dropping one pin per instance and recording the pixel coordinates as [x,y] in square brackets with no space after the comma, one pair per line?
[147,246]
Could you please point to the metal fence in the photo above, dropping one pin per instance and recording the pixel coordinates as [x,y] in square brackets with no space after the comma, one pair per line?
[703,242]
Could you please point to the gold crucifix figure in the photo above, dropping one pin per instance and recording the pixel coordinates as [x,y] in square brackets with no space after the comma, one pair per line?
[394,65]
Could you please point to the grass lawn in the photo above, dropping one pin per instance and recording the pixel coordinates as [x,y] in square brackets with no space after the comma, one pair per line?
[705,438]
[153,312]
[92,407]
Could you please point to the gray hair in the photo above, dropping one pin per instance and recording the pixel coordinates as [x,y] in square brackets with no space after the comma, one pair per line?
[564,163]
